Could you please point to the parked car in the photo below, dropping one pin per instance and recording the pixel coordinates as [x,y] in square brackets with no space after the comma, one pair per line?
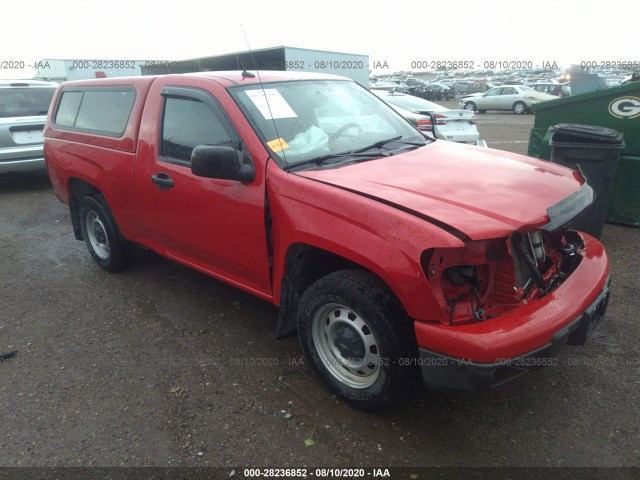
[443,123]
[391,86]
[415,86]
[439,91]
[23,109]
[411,81]
[556,89]
[391,255]
[461,87]
[518,98]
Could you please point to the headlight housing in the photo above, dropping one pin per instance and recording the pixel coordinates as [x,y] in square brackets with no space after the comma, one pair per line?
[488,278]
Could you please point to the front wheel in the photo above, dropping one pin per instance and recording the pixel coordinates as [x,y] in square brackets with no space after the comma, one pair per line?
[102,236]
[357,339]
[470,106]
[519,108]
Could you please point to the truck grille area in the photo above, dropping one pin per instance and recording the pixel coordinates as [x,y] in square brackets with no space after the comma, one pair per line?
[489,278]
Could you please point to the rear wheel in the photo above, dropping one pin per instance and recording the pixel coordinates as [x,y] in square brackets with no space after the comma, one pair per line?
[470,106]
[519,108]
[357,339]
[102,236]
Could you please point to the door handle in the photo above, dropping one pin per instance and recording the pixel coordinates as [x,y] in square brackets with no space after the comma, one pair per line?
[163,181]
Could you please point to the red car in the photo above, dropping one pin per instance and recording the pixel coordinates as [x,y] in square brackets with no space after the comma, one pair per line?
[390,253]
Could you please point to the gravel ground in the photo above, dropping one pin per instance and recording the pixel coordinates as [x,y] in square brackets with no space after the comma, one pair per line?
[162,366]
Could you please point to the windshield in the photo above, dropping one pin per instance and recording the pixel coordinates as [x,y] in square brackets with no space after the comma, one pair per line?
[25,101]
[528,89]
[305,120]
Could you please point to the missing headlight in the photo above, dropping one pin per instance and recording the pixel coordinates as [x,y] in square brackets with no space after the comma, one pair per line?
[463,275]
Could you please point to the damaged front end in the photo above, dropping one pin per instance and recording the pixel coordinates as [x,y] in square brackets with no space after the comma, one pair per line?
[511,303]
[488,278]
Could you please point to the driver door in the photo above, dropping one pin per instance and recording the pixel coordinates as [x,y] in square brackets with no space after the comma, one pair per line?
[491,99]
[216,226]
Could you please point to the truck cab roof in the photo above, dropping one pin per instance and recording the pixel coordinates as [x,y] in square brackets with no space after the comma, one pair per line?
[231,77]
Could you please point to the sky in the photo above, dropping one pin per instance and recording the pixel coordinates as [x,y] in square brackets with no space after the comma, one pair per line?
[398,33]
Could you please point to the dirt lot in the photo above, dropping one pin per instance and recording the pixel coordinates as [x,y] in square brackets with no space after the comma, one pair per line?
[162,366]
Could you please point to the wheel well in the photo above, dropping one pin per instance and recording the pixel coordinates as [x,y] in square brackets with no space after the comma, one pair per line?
[304,265]
[78,189]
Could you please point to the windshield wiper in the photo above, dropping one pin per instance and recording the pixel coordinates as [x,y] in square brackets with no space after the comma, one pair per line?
[381,143]
[378,144]
[329,156]
[359,153]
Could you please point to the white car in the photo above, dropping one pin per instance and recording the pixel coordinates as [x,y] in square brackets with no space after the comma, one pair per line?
[434,119]
[518,98]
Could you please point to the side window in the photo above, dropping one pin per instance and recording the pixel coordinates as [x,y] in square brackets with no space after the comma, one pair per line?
[493,93]
[100,110]
[187,123]
[509,91]
[68,109]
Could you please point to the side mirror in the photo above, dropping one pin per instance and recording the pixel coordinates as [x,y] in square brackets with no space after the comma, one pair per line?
[220,162]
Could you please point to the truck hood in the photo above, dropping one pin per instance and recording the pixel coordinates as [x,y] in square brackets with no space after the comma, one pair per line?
[481,192]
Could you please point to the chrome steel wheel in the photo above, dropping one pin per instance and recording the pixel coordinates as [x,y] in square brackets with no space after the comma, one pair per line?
[346,345]
[97,235]
[102,236]
[357,339]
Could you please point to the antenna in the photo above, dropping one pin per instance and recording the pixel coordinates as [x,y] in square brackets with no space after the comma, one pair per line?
[246,74]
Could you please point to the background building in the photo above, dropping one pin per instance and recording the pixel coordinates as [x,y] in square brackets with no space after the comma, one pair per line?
[349,65]
[59,70]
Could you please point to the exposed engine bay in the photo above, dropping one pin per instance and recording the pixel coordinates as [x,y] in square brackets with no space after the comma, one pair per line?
[491,277]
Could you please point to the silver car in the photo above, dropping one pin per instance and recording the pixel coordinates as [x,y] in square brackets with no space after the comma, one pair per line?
[434,119]
[23,111]
[517,98]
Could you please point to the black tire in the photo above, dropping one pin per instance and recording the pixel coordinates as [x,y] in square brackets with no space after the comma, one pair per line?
[357,338]
[519,108]
[470,106]
[102,236]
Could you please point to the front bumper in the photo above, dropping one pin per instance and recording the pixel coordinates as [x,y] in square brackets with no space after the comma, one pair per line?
[530,325]
[443,372]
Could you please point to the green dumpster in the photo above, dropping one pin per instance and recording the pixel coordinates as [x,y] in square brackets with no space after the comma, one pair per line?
[617,108]
[539,145]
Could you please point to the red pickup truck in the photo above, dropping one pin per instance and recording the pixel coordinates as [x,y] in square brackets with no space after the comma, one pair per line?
[390,253]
